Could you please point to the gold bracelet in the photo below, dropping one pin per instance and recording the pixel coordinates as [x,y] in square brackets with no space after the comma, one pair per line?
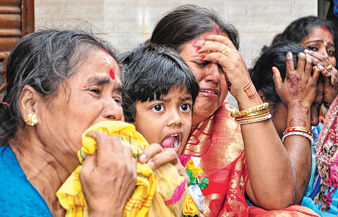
[254,114]
[248,117]
[297,129]
[244,112]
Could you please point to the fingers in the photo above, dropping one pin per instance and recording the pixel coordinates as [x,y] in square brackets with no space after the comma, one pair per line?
[290,67]
[88,165]
[222,39]
[214,43]
[308,67]
[319,56]
[323,63]
[316,73]
[277,79]
[149,153]
[155,156]
[105,146]
[334,77]
[213,47]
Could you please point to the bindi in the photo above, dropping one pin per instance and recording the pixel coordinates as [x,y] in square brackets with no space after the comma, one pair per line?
[112,74]
[216,29]
[324,28]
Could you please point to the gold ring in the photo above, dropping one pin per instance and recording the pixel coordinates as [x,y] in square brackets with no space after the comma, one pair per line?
[225,52]
[329,67]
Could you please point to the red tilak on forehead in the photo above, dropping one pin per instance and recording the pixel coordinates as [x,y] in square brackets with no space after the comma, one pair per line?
[112,74]
[324,28]
[106,52]
[216,29]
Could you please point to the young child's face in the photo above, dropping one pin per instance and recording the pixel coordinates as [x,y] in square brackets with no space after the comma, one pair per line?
[166,121]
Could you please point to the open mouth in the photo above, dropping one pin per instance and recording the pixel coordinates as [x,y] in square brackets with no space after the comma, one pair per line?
[171,142]
[209,91]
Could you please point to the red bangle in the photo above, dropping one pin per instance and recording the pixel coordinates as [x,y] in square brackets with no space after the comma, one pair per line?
[297,129]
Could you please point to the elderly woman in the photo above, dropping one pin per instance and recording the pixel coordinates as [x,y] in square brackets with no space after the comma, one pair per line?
[229,149]
[59,83]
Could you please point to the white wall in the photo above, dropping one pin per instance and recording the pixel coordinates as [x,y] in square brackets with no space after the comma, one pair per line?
[125,23]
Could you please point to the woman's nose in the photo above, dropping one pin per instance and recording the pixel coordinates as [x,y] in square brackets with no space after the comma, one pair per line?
[213,73]
[323,51]
[112,110]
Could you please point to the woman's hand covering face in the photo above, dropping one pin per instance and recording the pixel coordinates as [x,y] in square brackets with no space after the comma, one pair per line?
[300,84]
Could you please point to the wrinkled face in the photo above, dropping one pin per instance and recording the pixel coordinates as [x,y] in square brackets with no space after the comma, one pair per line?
[321,41]
[91,95]
[166,121]
[211,80]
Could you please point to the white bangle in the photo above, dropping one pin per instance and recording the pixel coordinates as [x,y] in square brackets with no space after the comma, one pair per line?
[298,134]
[255,120]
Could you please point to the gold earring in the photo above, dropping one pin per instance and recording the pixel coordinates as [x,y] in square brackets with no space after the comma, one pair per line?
[31,119]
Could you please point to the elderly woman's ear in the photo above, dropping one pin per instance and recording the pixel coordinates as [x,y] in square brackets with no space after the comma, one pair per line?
[28,104]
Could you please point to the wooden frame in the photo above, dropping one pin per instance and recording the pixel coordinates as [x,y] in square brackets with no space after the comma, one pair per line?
[16,21]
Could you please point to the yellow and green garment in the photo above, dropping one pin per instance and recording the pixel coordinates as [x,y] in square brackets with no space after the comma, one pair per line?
[160,192]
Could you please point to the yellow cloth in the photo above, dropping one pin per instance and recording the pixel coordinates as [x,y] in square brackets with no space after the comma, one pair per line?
[157,193]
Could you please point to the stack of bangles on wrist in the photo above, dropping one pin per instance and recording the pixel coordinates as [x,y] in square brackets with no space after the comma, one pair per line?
[298,131]
[252,115]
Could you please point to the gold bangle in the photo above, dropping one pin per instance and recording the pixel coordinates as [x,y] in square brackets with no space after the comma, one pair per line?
[297,128]
[252,116]
[244,112]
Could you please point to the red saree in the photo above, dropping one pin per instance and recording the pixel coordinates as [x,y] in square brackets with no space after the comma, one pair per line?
[218,143]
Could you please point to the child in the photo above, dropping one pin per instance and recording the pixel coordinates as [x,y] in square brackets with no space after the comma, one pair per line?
[158,95]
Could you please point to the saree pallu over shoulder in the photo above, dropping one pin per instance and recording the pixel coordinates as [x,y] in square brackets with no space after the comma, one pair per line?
[218,143]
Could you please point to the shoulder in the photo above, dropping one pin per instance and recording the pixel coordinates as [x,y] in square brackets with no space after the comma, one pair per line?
[225,111]
[17,196]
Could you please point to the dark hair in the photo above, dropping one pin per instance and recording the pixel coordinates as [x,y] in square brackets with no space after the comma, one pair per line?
[187,22]
[299,29]
[42,60]
[150,71]
[261,74]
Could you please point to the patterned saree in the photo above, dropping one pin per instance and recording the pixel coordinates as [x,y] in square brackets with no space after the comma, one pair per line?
[219,144]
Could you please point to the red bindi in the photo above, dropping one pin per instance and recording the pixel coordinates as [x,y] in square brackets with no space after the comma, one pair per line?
[324,28]
[112,74]
[216,29]
[106,52]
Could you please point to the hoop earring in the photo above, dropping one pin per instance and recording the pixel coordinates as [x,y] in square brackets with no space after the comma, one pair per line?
[31,119]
